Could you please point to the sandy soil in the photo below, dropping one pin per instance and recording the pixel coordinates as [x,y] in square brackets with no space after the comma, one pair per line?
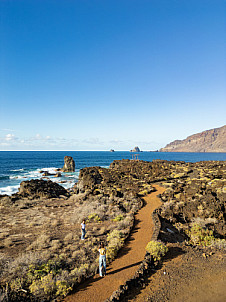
[187,275]
[98,289]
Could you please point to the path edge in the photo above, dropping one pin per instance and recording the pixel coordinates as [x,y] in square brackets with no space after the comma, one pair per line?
[145,267]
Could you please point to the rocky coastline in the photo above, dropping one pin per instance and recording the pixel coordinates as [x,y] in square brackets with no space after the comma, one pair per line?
[213,140]
[108,198]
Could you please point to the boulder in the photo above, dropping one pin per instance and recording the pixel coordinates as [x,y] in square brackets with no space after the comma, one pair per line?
[89,177]
[39,188]
[69,164]
[58,174]
[46,173]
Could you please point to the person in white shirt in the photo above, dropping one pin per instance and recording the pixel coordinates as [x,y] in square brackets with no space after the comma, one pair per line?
[102,260]
[83,229]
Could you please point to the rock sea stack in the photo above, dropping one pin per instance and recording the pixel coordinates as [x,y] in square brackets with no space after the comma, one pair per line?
[69,164]
[136,149]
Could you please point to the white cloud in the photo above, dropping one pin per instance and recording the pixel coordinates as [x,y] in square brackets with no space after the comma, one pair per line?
[10,137]
[39,142]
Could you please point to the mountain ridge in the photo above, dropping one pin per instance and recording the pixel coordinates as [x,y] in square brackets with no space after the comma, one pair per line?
[213,140]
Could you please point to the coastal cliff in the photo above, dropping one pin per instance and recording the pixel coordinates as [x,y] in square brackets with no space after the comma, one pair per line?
[213,140]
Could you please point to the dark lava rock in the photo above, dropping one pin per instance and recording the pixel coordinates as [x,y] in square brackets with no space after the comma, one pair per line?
[69,164]
[46,173]
[38,188]
[136,149]
[58,174]
[88,178]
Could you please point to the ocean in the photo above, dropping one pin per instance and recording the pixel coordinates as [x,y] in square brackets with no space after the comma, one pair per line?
[17,166]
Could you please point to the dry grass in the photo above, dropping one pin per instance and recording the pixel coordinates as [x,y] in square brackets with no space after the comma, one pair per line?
[49,230]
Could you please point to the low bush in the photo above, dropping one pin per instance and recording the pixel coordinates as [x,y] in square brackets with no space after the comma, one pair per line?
[156,249]
[93,218]
[200,236]
[118,218]
[115,242]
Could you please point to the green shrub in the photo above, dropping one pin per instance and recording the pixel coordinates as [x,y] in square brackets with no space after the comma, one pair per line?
[43,279]
[200,236]
[93,218]
[38,271]
[118,218]
[115,242]
[156,249]
[45,286]
[78,272]
[219,244]
[62,288]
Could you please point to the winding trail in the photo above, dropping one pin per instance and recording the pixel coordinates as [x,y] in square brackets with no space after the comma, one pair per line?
[98,289]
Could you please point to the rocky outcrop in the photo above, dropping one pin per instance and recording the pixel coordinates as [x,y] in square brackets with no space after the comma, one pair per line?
[213,140]
[38,188]
[199,198]
[69,164]
[136,149]
[88,178]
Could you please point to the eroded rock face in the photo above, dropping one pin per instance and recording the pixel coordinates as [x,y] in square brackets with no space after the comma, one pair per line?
[213,140]
[136,149]
[88,178]
[38,188]
[69,164]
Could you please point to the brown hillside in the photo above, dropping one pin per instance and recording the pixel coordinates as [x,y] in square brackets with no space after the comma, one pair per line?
[213,140]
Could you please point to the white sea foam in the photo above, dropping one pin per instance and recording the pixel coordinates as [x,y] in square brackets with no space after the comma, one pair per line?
[12,186]
[51,170]
[17,177]
[17,170]
[9,190]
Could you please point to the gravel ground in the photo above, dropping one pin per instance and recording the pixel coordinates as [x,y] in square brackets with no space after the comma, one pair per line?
[191,275]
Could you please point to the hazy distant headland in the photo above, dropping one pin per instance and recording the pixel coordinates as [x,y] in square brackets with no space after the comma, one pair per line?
[213,140]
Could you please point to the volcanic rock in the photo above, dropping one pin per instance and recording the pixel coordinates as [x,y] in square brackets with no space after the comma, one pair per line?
[136,149]
[69,164]
[46,173]
[38,188]
[58,174]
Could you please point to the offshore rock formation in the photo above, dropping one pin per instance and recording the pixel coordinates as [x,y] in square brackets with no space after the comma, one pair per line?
[136,149]
[69,164]
[213,140]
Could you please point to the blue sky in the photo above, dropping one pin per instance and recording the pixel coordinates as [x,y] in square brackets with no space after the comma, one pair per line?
[96,75]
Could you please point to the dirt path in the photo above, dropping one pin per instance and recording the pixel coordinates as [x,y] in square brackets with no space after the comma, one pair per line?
[189,277]
[124,267]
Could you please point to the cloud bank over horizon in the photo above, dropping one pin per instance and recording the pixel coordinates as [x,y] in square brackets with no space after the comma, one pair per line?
[11,142]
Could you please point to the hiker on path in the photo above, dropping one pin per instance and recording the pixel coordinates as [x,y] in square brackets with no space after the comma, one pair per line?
[102,260]
[83,229]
